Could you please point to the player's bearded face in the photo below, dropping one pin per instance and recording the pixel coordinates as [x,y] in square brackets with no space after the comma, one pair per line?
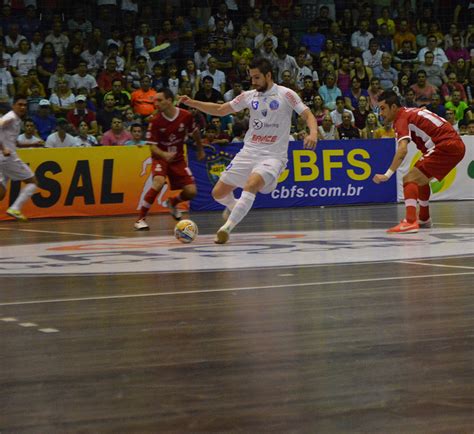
[259,81]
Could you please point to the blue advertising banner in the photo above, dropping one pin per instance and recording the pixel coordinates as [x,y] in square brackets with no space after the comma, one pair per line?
[338,173]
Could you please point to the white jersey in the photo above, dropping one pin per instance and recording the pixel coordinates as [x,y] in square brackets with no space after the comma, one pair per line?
[10,127]
[270,119]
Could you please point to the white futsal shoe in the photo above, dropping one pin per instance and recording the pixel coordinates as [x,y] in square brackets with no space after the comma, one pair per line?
[141,225]
[425,224]
[175,212]
[222,235]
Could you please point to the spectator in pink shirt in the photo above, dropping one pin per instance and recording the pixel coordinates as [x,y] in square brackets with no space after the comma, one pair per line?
[448,88]
[117,135]
[457,51]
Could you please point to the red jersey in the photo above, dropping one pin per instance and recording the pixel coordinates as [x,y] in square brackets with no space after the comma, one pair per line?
[170,134]
[424,128]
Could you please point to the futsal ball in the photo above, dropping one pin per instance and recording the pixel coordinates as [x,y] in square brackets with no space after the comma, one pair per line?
[186,231]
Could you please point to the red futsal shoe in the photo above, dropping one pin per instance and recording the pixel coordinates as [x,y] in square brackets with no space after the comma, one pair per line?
[404,228]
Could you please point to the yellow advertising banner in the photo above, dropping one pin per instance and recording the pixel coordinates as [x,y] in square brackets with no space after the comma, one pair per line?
[109,180]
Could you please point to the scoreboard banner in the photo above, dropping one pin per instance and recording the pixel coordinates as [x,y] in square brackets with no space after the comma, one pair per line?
[337,173]
[106,180]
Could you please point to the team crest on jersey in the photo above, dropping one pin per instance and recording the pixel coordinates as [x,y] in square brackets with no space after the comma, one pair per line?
[172,138]
[181,127]
[255,105]
[274,104]
[162,130]
[257,124]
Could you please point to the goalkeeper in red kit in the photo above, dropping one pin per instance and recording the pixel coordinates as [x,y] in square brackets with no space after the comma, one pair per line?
[442,150]
[167,132]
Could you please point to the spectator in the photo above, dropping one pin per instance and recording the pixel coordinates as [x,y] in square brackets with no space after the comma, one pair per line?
[437,106]
[59,40]
[470,127]
[285,62]
[84,139]
[59,74]
[46,63]
[113,53]
[136,74]
[385,131]
[30,138]
[302,71]
[329,92]
[222,15]
[360,39]
[222,133]
[218,76]
[384,39]
[371,125]
[338,112]
[318,109]
[62,100]
[386,20]
[362,72]
[207,92]
[144,32]
[461,69]
[346,130]
[61,138]
[410,98]
[168,34]
[121,96]
[219,33]
[351,96]
[4,55]
[329,51]
[29,23]
[456,105]
[406,54]
[241,51]
[308,92]
[22,61]
[83,79]
[13,38]
[387,75]
[344,75]
[29,81]
[94,58]
[79,22]
[404,34]
[255,23]
[80,113]
[440,58]
[238,134]
[287,81]
[298,22]
[422,36]
[173,79]
[234,92]
[452,85]
[192,75]
[107,113]
[313,40]
[107,76]
[7,88]
[136,130]
[373,56]
[143,99]
[266,33]
[327,130]
[374,92]
[423,90]
[223,56]
[287,40]
[202,56]
[457,51]
[117,135]
[451,118]
[268,52]
[361,112]
[435,74]
[33,99]
[45,122]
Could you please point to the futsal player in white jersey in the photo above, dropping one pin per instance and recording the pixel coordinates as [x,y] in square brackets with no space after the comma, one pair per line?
[257,167]
[11,167]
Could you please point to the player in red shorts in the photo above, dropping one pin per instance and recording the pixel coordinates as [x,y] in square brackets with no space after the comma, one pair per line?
[442,150]
[167,132]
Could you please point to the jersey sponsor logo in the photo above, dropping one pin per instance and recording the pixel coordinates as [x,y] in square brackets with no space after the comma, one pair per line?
[274,105]
[255,105]
[257,124]
[256,138]
[264,112]
[291,98]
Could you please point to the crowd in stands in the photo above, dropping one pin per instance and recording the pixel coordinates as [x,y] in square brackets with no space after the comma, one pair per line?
[91,70]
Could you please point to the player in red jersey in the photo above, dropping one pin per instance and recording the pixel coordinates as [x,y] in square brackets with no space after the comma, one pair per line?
[167,132]
[442,150]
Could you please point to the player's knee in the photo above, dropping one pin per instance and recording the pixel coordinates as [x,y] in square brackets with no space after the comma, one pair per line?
[158,183]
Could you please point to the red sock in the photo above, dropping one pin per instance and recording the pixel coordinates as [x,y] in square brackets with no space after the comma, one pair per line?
[424,192]
[175,200]
[410,191]
[148,200]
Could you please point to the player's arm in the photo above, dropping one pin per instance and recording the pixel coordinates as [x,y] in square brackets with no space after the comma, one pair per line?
[196,135]
[311,139]
[207,107]
[5,151]
[156,152]
[400,155]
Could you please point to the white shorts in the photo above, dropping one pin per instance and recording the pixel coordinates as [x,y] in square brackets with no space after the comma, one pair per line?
[13,168]
[240,168]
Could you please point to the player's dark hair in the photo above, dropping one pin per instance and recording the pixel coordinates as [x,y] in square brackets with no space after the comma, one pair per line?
[263,65]
[208,78]
[28,120]
[18,97]
[390,97]
[168,93]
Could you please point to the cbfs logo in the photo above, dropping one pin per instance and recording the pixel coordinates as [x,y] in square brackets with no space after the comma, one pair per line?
[216,164]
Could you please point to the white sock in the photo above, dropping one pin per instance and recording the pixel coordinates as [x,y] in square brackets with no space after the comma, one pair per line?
[241,209]
[228,201]
[24,195]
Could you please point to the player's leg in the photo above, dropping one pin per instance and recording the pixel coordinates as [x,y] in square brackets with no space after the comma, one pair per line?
[254,184]
[150,196]
[224,194]
[180,177]
[411,183]
[19,171]
[424,219]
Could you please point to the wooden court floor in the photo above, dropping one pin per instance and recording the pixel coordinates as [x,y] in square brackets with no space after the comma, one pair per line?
[310,320]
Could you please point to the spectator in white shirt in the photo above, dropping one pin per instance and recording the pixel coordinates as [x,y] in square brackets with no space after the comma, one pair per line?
[7,88]
[13,38]
[83,79]
[22,61]
[373,56]
[61,138]
[59,40]
[94,58]
[217,75]
[336,114]
[285,62]
[267,33]
[360,39]
[29,139]
[440,57]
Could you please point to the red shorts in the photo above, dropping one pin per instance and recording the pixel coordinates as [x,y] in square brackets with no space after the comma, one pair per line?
[178,173]
[441,159]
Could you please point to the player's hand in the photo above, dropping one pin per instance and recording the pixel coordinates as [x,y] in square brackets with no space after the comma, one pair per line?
[184,99]
[378,178]
[169,156]
[201,155]
[6,152]
[310,142]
